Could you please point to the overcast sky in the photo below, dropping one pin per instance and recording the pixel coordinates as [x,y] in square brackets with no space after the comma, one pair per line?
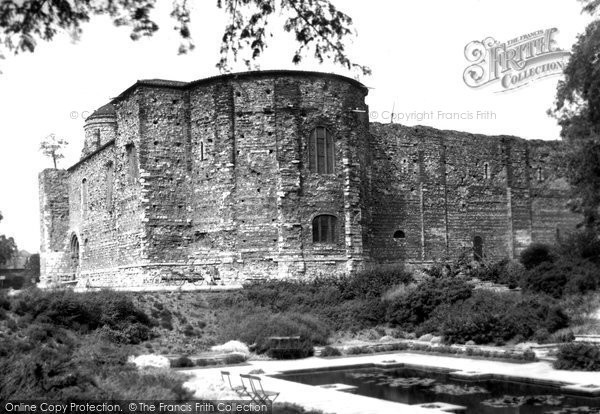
[415,49]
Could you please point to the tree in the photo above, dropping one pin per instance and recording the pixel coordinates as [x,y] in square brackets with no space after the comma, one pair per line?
[8,247]
[33,265]
[53,147]
[577,109]
[316,25]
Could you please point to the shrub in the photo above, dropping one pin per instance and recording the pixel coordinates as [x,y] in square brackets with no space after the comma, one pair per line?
[373,283]
[562,336]
[235,358]
[353,350]
[257,327]
[492,317]
[330,351]
[80,311]
[182,362]
[541,336]
[536,254]
[419,303]
[355,315]
[505,272]
[581,245]
[557,279]
[301,350]
[578,356]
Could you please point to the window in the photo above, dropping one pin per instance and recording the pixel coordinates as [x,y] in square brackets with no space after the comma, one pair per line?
[202,154]
[84,195]
[110,177]
[75,250]
[399,235]
[540,176]
[324,229]
[486,170]
[321,151]
[97,137]
[477,248]
[132,162]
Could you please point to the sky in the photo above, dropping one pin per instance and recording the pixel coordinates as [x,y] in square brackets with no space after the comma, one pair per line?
[416,51]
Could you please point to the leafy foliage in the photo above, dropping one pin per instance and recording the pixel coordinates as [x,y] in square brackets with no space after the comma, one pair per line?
[8,247]
[85,312]
[349,302]
[583,244]
[46,355]
[577,110]
[578,356]
[563,277]
[182,362]
[316,24]
[53,147]
[536,254]
[256,328]
[417,305]
[505,272]
[330,351]
[491,317]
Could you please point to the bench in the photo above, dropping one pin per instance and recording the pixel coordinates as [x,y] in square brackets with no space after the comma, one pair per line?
[284,347]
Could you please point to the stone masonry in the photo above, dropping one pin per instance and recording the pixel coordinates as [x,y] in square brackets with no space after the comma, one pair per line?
[280,174]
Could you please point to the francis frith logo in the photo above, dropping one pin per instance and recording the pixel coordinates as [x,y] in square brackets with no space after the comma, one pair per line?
[514,63]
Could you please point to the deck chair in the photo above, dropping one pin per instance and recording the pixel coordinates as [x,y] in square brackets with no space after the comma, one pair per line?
[259,394]
[238,389]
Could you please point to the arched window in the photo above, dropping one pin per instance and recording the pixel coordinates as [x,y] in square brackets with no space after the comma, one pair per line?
[132,162]
[321,149]
[84,196]
[75,250]
[399,235]
[486,170]
[324,229]
[478,248]
[110,178]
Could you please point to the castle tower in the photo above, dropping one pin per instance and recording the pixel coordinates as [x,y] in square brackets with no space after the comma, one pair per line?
[100,128]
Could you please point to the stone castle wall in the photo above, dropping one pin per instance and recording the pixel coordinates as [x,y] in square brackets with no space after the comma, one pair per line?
[215,174]
[444,188]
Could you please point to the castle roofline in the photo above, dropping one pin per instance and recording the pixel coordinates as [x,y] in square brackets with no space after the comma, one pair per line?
[433,130]
[164,83]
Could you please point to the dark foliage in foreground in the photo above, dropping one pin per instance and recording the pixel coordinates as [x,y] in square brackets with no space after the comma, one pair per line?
[578,356]
[62,346]
[490,317]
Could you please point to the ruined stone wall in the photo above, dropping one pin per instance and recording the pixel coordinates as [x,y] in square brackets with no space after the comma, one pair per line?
[444,188]
[95,221]
[215,174]
[549,192]
[54,222]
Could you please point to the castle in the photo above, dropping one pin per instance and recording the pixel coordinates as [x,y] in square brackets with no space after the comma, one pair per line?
[281,174]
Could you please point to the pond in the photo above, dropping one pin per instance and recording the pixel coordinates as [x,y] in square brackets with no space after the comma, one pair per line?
[415,386]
